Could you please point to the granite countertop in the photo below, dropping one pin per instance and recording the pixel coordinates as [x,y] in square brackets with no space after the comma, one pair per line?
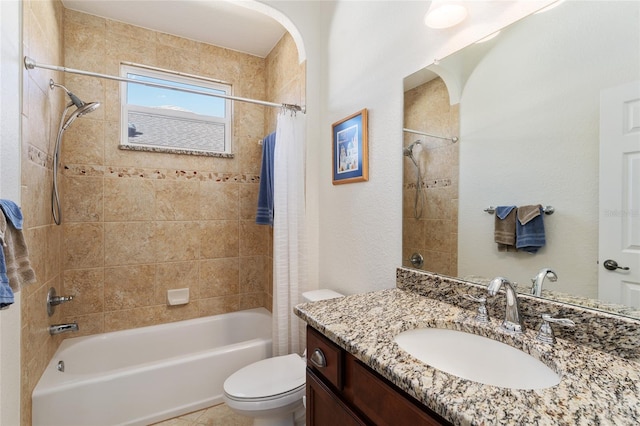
[596,387]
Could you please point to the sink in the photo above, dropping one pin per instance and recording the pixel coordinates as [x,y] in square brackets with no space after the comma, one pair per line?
[477,358]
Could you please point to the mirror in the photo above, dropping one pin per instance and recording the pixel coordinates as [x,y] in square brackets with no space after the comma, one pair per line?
[525,106]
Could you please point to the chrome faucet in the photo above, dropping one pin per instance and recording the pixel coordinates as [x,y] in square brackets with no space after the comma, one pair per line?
[63,328]
[512,320]
[537,281]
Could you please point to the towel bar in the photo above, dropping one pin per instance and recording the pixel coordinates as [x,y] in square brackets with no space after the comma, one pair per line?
[546,209]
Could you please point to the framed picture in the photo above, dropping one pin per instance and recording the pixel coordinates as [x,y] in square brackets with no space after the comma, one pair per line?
[350,149]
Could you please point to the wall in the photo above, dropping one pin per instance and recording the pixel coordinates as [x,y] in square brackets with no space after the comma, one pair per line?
[42,40]
[371,47]
[431,226]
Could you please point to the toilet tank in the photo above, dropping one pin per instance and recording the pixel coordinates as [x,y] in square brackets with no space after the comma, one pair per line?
[321,294]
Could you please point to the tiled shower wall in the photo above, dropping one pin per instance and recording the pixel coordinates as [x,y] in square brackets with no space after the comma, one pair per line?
[42,40]
[435,233]
[136,224]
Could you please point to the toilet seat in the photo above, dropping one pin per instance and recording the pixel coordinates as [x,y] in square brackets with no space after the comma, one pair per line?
[267,384]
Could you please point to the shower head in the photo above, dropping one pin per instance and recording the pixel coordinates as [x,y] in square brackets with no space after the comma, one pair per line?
[79,112]
[81,107]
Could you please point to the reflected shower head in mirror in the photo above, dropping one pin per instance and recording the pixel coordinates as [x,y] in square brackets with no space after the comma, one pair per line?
[81,109]
[408,150]
[419,202]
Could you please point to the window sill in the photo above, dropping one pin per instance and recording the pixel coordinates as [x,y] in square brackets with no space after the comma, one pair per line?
[175,151]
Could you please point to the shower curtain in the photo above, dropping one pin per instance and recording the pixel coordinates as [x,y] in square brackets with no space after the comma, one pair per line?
[289,242]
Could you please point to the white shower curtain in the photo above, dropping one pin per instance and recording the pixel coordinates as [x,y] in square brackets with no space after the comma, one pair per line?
[289,242]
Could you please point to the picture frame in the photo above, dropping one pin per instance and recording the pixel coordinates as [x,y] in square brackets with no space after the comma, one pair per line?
[350,149]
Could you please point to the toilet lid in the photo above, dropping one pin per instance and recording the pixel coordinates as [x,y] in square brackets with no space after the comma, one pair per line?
[269,377]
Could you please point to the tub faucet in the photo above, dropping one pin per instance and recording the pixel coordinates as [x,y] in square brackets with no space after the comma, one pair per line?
[63,328]
[537,281]
[512,320]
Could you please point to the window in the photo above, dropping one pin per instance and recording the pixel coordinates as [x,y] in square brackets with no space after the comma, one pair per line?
[163,119]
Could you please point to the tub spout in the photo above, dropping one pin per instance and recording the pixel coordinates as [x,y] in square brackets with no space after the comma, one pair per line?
[63,328]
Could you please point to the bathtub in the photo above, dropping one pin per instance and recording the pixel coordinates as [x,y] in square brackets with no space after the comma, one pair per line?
[149,374]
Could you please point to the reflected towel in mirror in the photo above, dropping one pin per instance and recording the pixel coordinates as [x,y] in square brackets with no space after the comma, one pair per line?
[530,235]
[505,228]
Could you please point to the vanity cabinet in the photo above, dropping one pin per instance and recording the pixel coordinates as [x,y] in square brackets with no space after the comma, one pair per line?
[341,390]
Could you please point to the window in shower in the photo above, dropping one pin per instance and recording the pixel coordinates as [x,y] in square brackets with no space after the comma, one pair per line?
[167,119]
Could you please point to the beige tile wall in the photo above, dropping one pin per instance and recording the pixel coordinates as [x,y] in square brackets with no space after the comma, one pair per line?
[435,234]
[41,109]
[136,224]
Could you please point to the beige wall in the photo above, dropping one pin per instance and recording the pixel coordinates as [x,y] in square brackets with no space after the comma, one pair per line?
[42,39]
[136,224]
[435,233]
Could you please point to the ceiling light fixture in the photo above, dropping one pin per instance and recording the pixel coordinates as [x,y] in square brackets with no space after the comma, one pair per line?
[444,14]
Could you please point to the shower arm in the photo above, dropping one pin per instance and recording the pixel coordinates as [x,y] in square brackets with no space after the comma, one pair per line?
[453,139]
[30,64]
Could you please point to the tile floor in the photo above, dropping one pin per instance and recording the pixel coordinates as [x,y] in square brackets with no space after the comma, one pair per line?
[218,415]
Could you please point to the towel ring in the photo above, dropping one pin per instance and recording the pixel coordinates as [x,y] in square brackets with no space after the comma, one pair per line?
[546,210]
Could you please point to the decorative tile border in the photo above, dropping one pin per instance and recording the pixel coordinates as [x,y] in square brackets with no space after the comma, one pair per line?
[40,158]
[157,174]
[431,183]
[599,330]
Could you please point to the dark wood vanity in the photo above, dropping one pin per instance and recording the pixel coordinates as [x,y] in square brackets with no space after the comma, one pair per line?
[343,391]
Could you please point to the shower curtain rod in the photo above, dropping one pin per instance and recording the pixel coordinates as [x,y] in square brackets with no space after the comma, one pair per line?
[453,139]
[30,64]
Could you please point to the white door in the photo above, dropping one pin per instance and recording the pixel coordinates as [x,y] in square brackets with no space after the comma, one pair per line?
[619,233]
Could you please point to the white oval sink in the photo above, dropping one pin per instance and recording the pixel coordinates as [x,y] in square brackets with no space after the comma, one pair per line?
[477,358]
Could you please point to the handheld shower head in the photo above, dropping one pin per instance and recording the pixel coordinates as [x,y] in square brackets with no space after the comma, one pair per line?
[79,112]
[81,109]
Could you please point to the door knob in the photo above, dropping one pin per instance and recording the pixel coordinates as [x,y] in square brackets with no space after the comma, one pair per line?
[612,265]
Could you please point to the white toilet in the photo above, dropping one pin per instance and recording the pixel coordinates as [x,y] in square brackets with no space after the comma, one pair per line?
[272,390]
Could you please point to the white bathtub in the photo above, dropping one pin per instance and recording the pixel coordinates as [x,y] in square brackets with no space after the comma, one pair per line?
[149,374]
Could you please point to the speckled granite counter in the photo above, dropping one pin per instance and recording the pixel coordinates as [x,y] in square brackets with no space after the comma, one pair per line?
[596,387]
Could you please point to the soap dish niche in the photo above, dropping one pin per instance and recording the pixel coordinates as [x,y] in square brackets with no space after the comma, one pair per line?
[179,296]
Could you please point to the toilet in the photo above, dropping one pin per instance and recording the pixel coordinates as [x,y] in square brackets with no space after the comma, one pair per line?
[272,390]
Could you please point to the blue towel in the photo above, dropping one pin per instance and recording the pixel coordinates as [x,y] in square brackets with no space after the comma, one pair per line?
[6,294]
[12,212]
[264,215]
[530,229]
[503,211]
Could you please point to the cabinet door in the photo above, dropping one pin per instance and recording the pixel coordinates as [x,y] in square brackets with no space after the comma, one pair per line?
[324,408]
[378,400]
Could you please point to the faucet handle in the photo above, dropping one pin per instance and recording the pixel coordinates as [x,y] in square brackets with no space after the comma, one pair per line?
[545,334]
[482,315]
